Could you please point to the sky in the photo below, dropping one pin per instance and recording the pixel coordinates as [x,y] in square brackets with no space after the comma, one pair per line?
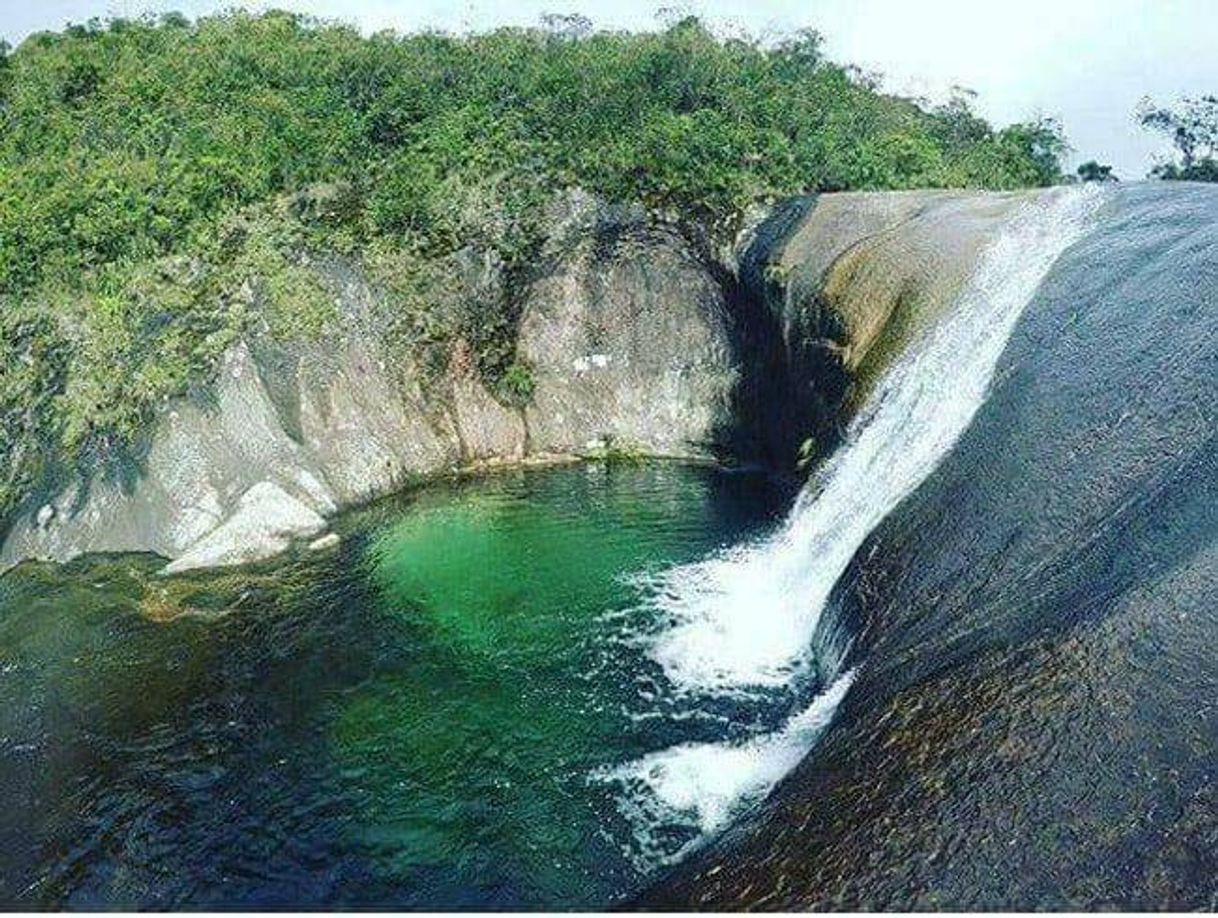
[1086,62]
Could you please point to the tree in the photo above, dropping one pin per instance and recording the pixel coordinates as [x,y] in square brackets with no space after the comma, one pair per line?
[1092,171]
[1192,126]
[570,26]
[5,67]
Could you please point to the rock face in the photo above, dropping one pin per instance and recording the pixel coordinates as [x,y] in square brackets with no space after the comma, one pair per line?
[1035,628]
[631,341]
[636,339]
[834,287]
[626,334]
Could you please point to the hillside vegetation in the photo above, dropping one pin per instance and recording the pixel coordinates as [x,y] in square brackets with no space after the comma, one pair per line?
[163,183]
[1192,126]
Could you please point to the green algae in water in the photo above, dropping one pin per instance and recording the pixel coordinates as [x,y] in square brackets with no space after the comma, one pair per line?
[410,721]
[527,685]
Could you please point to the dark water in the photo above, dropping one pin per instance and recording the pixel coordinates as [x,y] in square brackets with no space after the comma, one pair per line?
[410,721]
[1035,720]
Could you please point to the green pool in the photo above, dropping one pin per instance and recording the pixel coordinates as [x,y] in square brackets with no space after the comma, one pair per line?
[420,718]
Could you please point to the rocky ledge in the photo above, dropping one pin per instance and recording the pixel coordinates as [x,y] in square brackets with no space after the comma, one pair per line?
[636,337]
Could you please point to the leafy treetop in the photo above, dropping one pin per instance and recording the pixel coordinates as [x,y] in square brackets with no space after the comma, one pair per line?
[1192,126]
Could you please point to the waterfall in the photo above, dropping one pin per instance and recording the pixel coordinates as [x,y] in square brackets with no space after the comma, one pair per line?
[745,620]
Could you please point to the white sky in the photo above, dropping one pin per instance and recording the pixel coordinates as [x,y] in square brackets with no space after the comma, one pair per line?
[1087,62]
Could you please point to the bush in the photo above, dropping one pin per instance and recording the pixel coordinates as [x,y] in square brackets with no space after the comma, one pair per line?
[154,172]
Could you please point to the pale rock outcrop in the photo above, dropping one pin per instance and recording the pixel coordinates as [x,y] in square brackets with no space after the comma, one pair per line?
[265,520]
[326,542]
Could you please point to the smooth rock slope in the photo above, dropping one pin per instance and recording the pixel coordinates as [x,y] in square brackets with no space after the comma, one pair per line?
[1032,725]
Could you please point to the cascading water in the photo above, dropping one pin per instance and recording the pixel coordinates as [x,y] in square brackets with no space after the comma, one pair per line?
[744,622]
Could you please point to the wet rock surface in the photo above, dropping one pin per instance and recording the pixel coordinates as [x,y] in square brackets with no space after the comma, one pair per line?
[832,287]
[1033,724]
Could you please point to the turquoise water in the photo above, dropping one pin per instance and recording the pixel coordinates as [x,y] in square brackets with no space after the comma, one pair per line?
[417,719]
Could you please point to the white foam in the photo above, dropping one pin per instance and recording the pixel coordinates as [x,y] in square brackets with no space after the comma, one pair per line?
[746,617]
[704,784]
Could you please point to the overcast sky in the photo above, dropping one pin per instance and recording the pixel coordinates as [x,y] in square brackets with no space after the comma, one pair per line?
[1087,62]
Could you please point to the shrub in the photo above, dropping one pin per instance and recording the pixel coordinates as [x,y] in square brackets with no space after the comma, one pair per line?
[161,180]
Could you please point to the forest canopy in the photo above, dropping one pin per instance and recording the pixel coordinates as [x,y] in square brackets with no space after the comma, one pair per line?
[152,169]
[129,140]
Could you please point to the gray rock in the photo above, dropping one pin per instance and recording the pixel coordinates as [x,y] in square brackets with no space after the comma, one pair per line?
[264,522]
[629,339]
[328,541]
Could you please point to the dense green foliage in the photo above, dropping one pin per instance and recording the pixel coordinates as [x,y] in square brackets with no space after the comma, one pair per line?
[161,180]
[1192,126]
[1092,171]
